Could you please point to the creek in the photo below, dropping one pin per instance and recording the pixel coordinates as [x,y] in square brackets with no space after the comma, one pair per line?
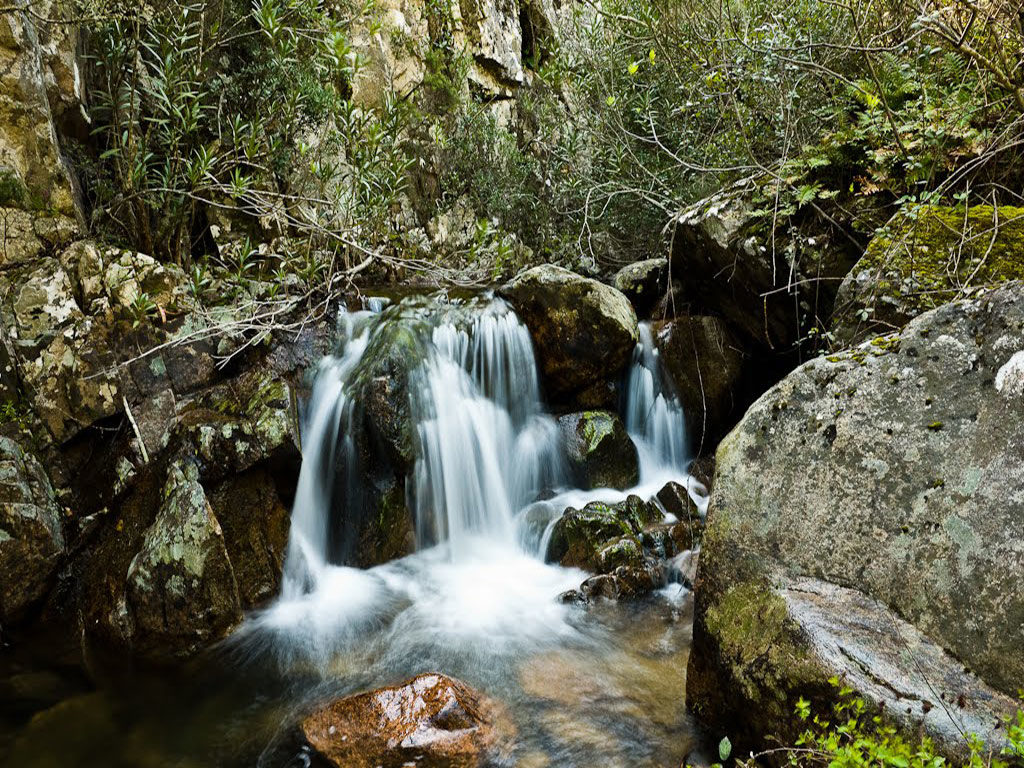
[577,686]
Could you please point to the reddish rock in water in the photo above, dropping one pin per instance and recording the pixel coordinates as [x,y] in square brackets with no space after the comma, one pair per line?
[430,721]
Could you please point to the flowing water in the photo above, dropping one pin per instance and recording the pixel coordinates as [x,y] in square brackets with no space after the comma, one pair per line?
[580,686]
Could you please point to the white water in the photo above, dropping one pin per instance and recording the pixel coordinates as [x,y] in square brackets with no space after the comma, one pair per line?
[486,448]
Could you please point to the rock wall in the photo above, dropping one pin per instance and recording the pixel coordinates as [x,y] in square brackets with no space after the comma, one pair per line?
[40,84]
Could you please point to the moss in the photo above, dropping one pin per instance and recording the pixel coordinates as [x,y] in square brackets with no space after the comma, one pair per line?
[929,254]
[12,191]
[752,631]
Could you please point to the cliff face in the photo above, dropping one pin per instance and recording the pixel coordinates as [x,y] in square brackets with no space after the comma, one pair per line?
[40,89]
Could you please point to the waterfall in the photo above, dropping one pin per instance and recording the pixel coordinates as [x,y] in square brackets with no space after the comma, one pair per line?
[653,414]
[328,432]
[485,447]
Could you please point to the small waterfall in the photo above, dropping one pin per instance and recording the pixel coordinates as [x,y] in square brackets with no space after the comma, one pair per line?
[328,434]
[653,415]
[485,446]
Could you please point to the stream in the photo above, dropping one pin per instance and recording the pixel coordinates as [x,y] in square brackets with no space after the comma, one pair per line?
[577,686]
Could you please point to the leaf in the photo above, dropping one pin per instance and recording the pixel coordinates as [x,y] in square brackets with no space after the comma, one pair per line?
[724,749]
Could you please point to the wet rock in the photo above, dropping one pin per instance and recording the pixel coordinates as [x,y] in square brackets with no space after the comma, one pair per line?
[431,721]
[643,283]
[583,331]
[924,258]
[893,469]
[704,362]
[31,537]
[181,592]
[388,532]
[579,537]
[676,501]
[599,450]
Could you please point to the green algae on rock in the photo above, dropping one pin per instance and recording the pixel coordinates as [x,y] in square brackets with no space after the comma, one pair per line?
[924,257]
[599,449]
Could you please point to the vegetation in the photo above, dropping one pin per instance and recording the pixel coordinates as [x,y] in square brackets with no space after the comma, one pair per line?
[854,737]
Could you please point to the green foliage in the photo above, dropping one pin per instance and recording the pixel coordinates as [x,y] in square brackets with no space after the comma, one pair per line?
[12,191]
[208,107]
[853,737]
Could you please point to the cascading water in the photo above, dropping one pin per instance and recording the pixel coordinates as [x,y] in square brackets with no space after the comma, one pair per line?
[476,599]
[654,418]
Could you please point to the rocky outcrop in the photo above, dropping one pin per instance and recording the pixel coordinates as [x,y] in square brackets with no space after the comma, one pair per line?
[923,258]
[583,331]
[431,721]
[704,362]
[72,322]
[31,536]
[643,283]
[768,281]
[40,81]
[181,591]
[870,502]
[500,39]
[599,450]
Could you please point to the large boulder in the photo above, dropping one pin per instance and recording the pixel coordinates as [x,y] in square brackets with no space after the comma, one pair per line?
[599,450]
[31,538]
[771,282]
[704,361]
[584,331]
[181,590]
[431,721]
[924,257]
[884,483]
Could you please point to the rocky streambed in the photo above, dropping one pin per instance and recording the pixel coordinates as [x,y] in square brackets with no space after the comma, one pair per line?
[203,563]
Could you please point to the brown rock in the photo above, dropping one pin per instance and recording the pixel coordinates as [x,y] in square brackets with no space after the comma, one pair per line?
[704,361]
[430,721]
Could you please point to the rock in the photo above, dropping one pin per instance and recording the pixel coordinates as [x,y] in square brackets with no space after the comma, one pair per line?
[704,362]
[389,532]
[431,721]
[580,536]
[394,51]
[923,258]
[496,40]
[599,450]
[894,470]
[583,331]
[676,501]
[742,269]
[31,538]
[255,523]
[233,427]
[643,283]
[35,84]
[181,592]
[27,235]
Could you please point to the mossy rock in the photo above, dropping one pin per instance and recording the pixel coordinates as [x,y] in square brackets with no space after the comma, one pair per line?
[580,537]
[600,450]
[864,505]
[924,257]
